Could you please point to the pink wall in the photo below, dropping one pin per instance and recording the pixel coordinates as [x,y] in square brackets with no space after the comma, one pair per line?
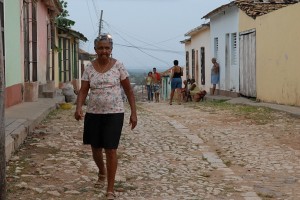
[42,20]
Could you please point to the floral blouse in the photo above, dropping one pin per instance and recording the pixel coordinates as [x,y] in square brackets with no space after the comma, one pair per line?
[105,89]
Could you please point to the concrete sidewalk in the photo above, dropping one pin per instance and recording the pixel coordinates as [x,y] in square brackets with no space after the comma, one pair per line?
[293,110]
[21,119]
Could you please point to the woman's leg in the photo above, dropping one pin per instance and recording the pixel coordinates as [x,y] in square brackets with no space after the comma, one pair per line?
[98,158]
[171,95]
[179,95]
[213,89]
[151,93]
[111,165]
[148,92]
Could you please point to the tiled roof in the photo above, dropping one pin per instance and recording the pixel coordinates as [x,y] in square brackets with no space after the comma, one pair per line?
[254,8]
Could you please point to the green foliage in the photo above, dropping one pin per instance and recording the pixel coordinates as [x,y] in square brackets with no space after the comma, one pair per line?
[62,19]
[64,5]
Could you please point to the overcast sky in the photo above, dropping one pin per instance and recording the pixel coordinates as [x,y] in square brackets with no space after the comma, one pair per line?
[146,33]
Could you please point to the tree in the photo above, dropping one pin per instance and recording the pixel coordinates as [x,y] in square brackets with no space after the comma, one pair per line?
[2,124]
[62,20]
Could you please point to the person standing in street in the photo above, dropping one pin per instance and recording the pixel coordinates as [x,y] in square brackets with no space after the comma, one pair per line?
[149,85]
[104,116]
[156,84]
[215,74]
[176,82]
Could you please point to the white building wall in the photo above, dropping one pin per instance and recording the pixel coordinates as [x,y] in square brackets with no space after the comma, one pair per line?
[201,39]
[226,23]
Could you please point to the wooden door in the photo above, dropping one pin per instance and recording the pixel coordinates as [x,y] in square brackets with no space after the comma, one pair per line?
[248,63]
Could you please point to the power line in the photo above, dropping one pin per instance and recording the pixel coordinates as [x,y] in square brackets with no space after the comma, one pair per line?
[90,14]
[142,50]
[154,57]
[139,48]
[163,50]
[147,44]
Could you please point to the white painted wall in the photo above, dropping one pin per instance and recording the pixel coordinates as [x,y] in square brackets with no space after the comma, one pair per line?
[201,39]
[221,24]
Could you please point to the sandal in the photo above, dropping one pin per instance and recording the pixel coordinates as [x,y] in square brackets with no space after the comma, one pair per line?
[101,181]
[110,196]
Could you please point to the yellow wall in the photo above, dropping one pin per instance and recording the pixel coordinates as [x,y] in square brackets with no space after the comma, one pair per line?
[277,54]
[246,22]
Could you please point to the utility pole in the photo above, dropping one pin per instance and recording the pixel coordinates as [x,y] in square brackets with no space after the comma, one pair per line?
[2,123]
[100,23]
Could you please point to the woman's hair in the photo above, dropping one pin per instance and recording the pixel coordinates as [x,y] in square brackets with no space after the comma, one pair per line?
[103,37]
[149,73]
[175,62]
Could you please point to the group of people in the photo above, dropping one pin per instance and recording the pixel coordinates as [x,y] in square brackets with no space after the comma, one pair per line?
[190,89]
[104,79]
[153,83]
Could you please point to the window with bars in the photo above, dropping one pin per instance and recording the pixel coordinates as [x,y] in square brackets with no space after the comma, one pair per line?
[34,41]
[75,61]
[233,48]
[26,41]
[193,63]
[202,60]
[48,71]
[53,48]
[30,47]
[187,64]
[216,47]
[2,24]
[2,31]
[65,60]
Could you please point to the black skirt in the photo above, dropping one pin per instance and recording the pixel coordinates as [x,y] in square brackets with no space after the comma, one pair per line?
[103,130]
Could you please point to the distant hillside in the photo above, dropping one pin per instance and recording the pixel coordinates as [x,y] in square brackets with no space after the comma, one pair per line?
[140,71]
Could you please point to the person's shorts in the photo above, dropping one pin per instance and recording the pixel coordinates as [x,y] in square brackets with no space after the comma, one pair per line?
[103,130]
[176,83]
[215,79]
[156,88]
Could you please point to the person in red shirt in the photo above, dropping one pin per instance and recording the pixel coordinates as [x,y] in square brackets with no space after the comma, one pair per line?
[156,84]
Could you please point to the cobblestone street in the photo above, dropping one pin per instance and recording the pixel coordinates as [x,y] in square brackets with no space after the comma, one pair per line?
[191,151]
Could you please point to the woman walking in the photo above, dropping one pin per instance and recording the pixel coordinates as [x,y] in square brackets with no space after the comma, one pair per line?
[149,85]
[104,116]
[176,82]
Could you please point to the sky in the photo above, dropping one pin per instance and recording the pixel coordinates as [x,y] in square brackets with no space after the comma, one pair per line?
[146,33]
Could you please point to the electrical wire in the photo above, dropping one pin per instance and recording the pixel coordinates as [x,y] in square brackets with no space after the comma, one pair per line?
[142,50]
[147,44]
[90,14]
[163,50]
[136,47]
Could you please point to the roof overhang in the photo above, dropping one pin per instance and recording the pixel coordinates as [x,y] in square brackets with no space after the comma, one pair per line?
[73,33]
[186,41]
[218,10]
[197,29]
[54,6]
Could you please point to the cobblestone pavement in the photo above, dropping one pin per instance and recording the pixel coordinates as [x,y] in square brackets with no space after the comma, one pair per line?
[191,151]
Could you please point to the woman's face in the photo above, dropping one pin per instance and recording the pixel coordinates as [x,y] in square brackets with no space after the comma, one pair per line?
[103,49]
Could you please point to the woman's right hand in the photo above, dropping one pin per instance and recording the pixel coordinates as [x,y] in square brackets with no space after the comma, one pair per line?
[78,114]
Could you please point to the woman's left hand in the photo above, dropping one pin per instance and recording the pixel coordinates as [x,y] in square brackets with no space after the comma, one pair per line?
[133,121]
